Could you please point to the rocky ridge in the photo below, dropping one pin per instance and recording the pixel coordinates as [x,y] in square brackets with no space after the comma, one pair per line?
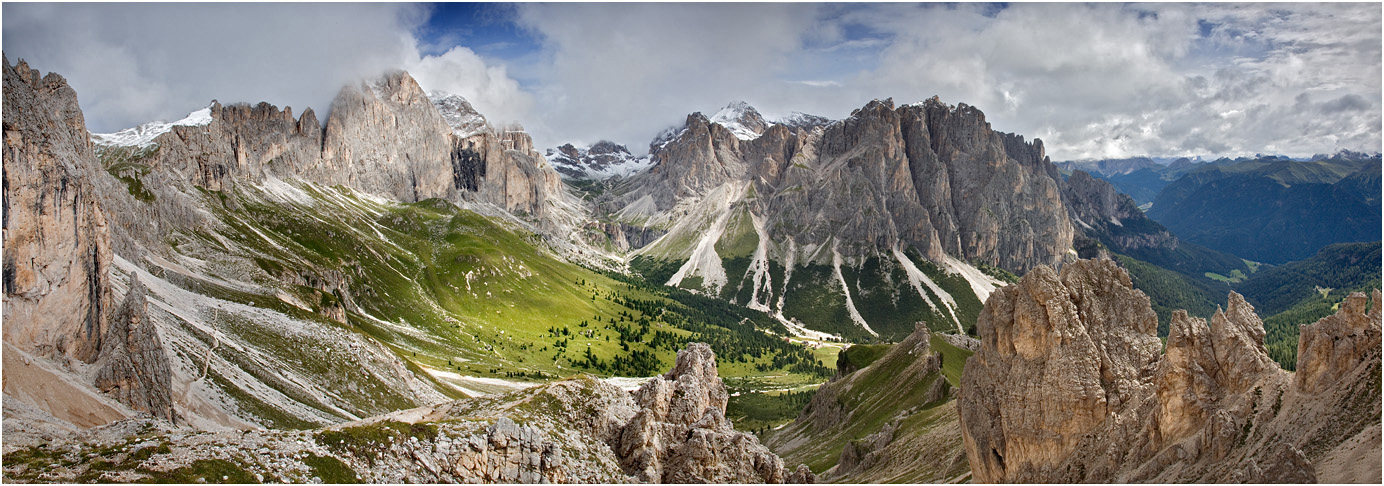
[602,161]
[384,137]
[925,176]
[1069,386]
[578,430]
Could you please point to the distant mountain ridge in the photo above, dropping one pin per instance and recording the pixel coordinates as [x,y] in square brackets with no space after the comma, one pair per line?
[1314,204]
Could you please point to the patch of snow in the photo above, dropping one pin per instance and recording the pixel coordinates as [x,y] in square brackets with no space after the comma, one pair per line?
[919,279]
[459,114]
[735,117]
[704,261]
[982,284]
[846,288]
[143,136]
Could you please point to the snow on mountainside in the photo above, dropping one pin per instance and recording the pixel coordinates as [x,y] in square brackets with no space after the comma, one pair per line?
[144,135]
[742,120]
[464,119]
[601,161]
[803,120]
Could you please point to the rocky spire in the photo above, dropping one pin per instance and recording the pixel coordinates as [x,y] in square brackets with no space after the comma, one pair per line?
[680,433]
[1068,386]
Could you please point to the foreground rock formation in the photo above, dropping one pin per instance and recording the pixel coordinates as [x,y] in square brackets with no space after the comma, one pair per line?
[1069,386]
[57,243]
[58,295]
[673,429]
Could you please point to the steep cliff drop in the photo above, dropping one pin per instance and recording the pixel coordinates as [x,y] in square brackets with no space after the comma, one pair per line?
[1069,386]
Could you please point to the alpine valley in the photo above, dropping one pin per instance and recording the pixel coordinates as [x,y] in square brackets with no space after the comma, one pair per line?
[407,293]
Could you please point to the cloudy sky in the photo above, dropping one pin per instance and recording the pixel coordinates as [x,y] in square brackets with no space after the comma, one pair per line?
[1091,80]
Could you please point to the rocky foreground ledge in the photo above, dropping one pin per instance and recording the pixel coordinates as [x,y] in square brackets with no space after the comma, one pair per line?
[1070,385]
[672,429]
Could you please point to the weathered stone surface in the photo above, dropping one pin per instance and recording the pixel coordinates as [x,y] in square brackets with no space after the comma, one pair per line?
[1336,344]
[927,175]
[680,433]
[1068,386]
[1052,378]
[57,243]
[386,137]
[133,366]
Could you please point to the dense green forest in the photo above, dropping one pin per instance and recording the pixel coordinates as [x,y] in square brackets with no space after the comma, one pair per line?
[1314,204]
[1302,292]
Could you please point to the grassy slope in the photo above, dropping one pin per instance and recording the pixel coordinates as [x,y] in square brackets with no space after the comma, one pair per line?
[453,292]
[884,391]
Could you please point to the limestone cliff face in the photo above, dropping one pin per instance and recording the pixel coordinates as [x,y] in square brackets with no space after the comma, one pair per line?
[1069,386]
[386,137]
[927,175]
[240,142]
[1045,382]
[57,244]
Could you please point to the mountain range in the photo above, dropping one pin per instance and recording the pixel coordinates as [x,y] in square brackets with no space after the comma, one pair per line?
[408,293]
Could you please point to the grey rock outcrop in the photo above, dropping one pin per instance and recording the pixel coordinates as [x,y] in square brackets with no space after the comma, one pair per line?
[927,175]
[1069,386]
[1055,383]
[134,367]
[1329,349]
[57,244]
[680,433]
[386,137]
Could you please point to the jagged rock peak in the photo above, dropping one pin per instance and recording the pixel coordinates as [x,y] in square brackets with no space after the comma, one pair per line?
[680,433]
[601,161]
[459,114]
[134,367]
[1331,347]
[742,120]
[1068,386]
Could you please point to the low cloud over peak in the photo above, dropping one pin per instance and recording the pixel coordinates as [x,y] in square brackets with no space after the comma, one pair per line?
[1091,80]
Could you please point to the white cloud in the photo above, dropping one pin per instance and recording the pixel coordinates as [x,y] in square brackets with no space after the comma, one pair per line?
[626,71]
[132,63]
[1092,80]
[489,88]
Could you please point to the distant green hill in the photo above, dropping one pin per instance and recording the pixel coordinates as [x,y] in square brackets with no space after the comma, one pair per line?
[1274,210]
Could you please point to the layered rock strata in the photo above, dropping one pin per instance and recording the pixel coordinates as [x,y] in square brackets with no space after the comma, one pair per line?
[1069,386]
